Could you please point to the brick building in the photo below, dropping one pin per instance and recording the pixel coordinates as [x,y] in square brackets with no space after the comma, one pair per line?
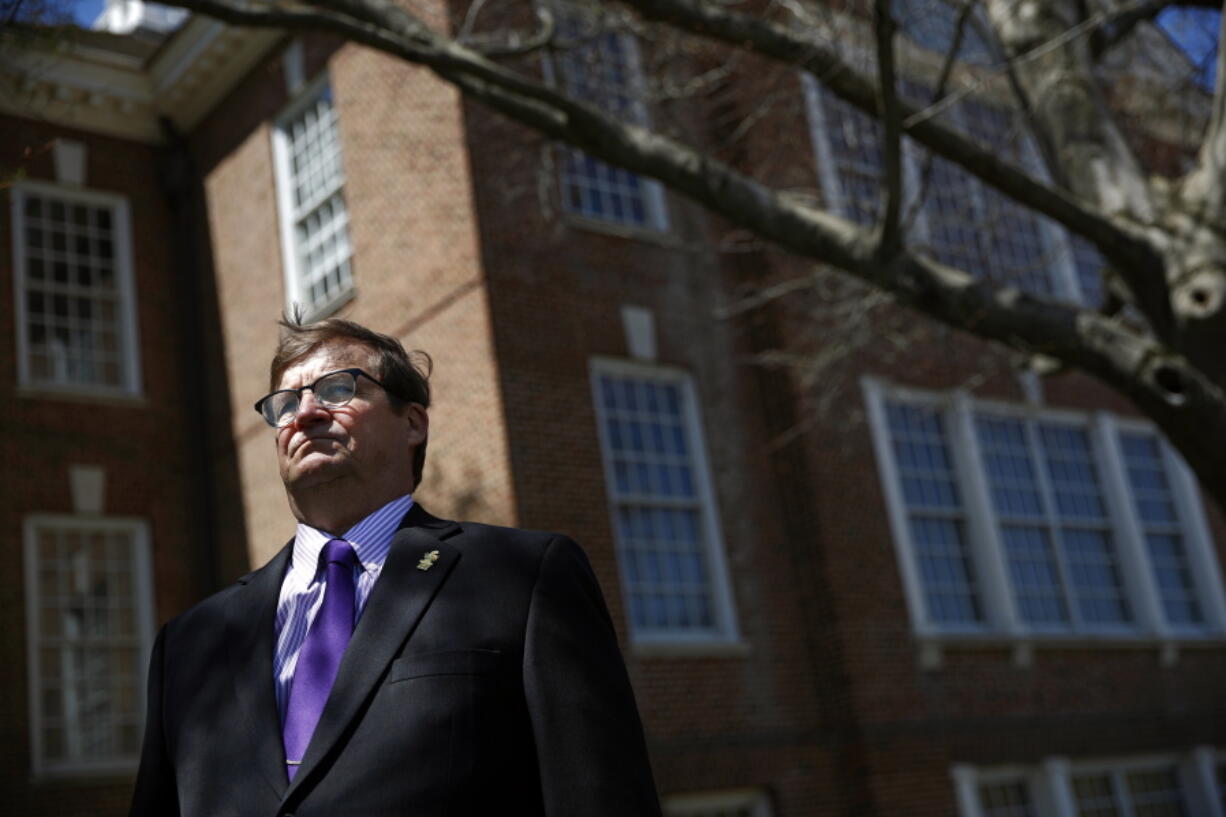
[937,588]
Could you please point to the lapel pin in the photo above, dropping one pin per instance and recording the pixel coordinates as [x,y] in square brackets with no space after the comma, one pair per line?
[428,560]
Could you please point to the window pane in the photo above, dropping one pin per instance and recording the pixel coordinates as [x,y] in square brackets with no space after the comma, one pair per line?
[321,220]
[663,545]
[71,325]
[1154,503]
[1005,800]
[1084,535]
[1023,520]
[1156,793]
[89,651]
[934,511]
[1095,796]
[599,65]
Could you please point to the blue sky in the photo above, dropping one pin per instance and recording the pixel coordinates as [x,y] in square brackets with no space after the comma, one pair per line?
[86,11]
[1196,31]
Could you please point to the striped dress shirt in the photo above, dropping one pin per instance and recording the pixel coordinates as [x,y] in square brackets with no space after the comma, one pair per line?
[302,590]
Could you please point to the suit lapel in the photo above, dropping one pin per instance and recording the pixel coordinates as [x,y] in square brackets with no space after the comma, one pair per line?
[396,604]
[250,629]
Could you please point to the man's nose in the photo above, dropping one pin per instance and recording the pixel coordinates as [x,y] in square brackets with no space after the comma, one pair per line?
[310,409]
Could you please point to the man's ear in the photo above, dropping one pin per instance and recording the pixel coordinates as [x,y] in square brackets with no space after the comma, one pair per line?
[418,422]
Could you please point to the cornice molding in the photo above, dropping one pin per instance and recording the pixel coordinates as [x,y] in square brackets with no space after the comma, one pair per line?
[87,86]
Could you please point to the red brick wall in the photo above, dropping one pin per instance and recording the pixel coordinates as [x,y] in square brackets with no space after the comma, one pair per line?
[143,446]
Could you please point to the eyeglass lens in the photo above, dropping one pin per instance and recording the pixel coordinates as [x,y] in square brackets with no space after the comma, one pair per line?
[333,390]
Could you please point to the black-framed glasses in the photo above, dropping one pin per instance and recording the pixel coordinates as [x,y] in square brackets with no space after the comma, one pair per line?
[333,390]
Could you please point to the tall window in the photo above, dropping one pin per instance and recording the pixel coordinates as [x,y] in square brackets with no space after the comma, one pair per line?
[597,64]
[76,326]
[88,619]
[1019,521]
[664,518]
[960,221]
[310,189]
[935,518]
[1154,501]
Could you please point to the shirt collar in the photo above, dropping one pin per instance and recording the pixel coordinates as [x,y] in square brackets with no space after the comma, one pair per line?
[371,539]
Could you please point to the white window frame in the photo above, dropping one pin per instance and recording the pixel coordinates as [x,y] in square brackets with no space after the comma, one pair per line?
[292,273]
[1065,282]
[1050,782]
[708,803]
[1001,620]
[127,325]
[656,220]
[142,595]
[724,630]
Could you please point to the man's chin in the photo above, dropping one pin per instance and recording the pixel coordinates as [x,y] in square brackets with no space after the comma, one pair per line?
[315,467]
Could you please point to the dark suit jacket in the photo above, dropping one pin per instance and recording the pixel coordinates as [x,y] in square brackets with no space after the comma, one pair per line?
[490,684]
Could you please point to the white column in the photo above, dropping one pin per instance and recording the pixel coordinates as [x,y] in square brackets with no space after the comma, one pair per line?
[1060,786]
[966,789]
[1204,781]
[1206,576]
[987,552]
[1134,557]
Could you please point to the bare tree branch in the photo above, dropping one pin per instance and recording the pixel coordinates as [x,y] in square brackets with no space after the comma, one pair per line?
[883,25]
[1120,241]
[1172,373]
[514,43]
[1204,185]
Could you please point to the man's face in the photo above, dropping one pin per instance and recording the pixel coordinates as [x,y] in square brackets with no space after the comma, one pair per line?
[365,442]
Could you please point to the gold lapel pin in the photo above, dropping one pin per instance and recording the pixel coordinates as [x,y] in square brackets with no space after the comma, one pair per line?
[428,560]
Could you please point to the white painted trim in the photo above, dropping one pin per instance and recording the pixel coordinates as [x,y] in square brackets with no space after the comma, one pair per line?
[726,629]
[913,587]
[989,561]
[1203,779]
[183,50]
[142,590]
[292,66]
[1058,786]
[129,331]
[827,165]
[639,326]
[966,789]
[69,157]
[1206,572]
[1137,573]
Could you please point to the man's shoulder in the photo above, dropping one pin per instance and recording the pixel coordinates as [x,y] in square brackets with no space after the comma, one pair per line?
[495,539]
[210,611]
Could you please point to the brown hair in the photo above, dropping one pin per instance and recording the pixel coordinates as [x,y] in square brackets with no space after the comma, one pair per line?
[405,376]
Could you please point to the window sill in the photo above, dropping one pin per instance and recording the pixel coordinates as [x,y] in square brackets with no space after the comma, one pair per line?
[660,236]
[327,308]
[83,394]
[1023,646]
[690,649]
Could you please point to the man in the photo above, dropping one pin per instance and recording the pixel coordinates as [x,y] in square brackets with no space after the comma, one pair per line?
[386,662]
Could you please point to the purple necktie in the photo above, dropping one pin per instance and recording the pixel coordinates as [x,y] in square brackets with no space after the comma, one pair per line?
[321,653]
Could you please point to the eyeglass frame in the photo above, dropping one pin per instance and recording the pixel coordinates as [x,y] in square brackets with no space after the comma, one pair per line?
[355,372]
